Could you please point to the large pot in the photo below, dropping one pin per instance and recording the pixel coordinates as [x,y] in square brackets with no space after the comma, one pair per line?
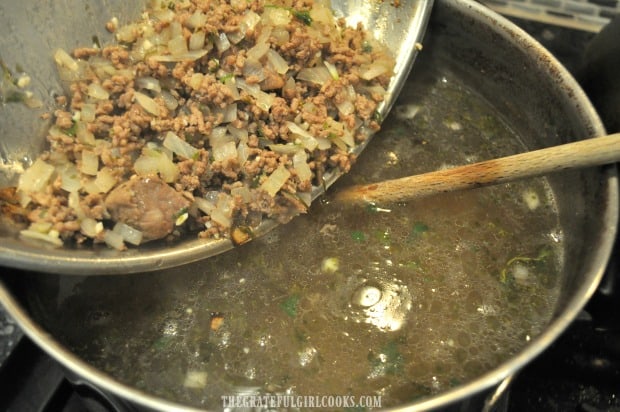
[538,99]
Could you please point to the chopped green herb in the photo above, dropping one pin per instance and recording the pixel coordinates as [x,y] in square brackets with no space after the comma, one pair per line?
[15,97]
[300,335]
[420,227]
[377,117]
[289,306]
[72,130]
[372,208]
[162,343]
[226,77]
[366,46]
[358,236]
[96,42]
[389,361]
[303,16]
[383,236]
[540,258]
[213,64]
[412,264]
[179,213]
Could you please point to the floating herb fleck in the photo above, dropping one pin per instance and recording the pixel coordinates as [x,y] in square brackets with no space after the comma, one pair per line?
[358,236]
[289,306]
[389,360]
[417,230]
[540,258]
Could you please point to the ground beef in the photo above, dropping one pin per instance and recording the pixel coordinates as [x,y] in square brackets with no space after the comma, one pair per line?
[204,129]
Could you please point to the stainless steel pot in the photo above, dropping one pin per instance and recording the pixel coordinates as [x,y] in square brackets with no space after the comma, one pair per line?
[543,104]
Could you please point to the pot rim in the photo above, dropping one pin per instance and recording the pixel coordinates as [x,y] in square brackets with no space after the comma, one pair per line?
[509,368]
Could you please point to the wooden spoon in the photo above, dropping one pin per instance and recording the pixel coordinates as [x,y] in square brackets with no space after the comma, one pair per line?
[585,153]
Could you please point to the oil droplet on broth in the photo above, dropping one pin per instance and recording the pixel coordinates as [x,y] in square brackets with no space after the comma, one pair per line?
[384,304]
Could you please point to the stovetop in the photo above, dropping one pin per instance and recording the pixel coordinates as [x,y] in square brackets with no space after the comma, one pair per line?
[579,372]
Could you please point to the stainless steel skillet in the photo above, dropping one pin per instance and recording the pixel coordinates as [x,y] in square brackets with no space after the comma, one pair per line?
[32,30]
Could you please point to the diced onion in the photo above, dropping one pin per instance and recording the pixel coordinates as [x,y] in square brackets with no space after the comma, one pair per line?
[91,227]
[280,35]
[105,180]
[258,51]
[74,203]
[300,163]
[250,20]
[69,177]
[276,16]
[148,83]
[147,103]
[317,75]
[36,177]
[153,162]
[204,205]
[179,146]
[170,101]
[128,233]
[370,71]
[84,135]
[47,237]
[96,91]
[320,13]
[195,80]
[221,42]
[197,40]
[307,140]
[63,59]
[128,33]
[41,227]
[114,240]
[90,186]
[229,113]
[332,70]
[175,29]
[263,100]
[189,56]
[253,68]
[232,87]
[224,151]
[88,112]
[178,46]
[277,62]
[218,207]
[90,163]
[243,152]
[323,143]
[288,148]
[196,20]
[163,13]
[240,134]
[243,192]
[219,136]
[276,180]
[195,379]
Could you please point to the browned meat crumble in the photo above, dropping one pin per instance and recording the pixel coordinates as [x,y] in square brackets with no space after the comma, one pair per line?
[205,116]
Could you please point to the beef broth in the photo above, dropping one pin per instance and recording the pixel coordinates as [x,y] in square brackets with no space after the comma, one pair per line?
[400,301]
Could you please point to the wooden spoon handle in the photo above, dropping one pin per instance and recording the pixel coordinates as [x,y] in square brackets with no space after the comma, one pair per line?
[585,153]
